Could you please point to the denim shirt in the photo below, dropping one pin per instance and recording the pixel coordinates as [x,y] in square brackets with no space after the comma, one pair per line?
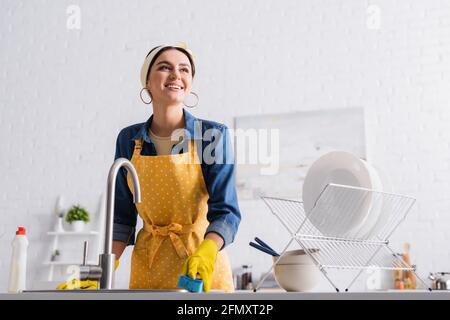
[219,175]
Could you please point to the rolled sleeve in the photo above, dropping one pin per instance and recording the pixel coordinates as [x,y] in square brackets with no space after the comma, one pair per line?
[124,233]
[223,210]
[225,227]
[125,212]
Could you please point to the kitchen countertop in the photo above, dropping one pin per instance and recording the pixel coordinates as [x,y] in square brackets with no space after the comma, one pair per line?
[238,295]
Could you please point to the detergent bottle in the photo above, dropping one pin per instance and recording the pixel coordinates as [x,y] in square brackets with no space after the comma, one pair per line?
[18,269]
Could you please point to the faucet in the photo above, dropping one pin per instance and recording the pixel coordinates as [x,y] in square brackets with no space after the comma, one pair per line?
[104,270]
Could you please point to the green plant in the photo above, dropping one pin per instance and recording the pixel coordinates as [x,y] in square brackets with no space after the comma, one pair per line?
[76,213]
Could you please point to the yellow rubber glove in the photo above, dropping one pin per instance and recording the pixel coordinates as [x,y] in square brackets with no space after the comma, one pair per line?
[202,263]
[77,284]
[84,284]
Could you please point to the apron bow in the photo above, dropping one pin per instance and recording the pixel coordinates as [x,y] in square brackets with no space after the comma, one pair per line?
[164,231]
[172,231]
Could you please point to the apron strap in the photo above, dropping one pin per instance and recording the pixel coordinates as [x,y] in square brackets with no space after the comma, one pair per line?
[172,231]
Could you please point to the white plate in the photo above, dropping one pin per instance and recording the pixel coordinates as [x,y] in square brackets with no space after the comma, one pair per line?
[366,230]
[344,168]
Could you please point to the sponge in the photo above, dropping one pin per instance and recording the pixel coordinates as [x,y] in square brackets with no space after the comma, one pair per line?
[191,285]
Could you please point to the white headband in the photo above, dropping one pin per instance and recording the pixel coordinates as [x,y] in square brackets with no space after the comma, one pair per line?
[148,60]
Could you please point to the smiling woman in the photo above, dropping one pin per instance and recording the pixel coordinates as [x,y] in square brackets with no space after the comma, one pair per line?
[189,207]
[169,70]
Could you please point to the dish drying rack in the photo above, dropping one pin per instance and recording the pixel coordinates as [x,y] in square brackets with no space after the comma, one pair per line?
[335,250]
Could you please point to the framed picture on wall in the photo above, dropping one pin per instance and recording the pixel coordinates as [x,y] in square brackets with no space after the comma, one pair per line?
[274,152]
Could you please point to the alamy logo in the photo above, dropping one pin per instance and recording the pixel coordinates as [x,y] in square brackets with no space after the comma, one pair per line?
[215,146]
[373,21]
[74,17]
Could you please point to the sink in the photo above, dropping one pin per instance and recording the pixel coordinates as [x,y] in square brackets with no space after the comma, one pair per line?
[107,291]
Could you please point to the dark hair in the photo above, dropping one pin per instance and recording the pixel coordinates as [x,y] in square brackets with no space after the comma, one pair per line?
[168,48]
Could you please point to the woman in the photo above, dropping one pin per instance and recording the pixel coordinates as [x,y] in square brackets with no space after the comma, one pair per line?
[189,205]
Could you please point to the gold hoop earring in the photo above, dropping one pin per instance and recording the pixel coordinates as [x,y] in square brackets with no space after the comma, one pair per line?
[140,94]
[193,106]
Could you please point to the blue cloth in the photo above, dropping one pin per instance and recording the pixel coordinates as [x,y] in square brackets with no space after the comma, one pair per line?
[219,175]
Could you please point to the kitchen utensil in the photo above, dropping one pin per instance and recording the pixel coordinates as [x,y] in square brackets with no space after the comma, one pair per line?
[344,168]
[409,278]
[258,240]
[440,280]
[405,257]
[297,277]
[263,249]
[243,278]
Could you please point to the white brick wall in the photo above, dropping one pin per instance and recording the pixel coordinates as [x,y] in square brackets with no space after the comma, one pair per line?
[65,94]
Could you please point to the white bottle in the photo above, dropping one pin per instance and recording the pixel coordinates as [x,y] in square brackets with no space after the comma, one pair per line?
[18,270]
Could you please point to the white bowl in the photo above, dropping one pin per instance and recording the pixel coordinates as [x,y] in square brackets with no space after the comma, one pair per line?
[297,277]
[295,257]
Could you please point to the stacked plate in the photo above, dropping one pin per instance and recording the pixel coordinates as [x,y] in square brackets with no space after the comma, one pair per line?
[341,218]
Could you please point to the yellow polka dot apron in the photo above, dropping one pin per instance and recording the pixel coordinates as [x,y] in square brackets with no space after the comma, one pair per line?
[173,208]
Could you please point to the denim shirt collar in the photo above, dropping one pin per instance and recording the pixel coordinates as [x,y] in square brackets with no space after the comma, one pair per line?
[189,119]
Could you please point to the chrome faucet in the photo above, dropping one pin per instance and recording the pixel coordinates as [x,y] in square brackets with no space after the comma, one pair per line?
[104,271]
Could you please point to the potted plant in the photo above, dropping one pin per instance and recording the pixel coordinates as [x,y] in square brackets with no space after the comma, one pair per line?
[77,217]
